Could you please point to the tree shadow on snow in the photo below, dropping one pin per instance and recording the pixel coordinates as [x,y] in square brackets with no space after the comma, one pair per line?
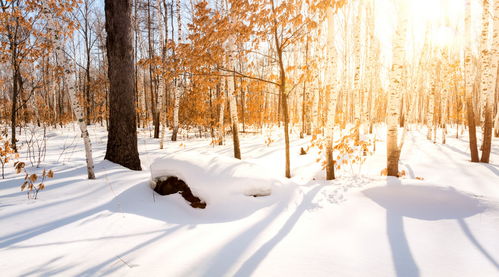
[424,203]
[491,167]
[251,264]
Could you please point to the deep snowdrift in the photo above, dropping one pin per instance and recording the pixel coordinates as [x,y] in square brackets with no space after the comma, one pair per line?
[219,181]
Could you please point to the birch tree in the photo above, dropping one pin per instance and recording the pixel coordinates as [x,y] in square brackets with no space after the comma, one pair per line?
[394,97]
[490,59]
[57,40]
[332,92]
[469,76]
[177,83]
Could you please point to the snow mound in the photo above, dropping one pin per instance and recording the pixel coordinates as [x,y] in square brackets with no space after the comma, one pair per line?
[217,180]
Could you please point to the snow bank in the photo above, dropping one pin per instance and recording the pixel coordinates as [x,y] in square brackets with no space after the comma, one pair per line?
[217,180]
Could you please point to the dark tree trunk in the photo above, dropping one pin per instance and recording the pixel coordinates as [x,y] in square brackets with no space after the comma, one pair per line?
[15,93]
[122,136]
[243,111]
[472,129]
[284,103]
[87,89]
[330,163]
[487,134]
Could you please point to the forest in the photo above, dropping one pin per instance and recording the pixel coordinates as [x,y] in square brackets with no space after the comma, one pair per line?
[249,137]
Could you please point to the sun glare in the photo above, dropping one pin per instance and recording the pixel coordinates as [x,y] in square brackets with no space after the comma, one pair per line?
[437,22]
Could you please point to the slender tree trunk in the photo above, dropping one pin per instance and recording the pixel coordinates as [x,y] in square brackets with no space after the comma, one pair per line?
[163,90]
[331,91]
[489,80]
[13,113]
[284,103]
[496,124]
[176,107]
[233,116]
[160,107]
[78,110]
[122,137]
[469,85]
[394,97]
[304,109]
[221,130]
[243,110]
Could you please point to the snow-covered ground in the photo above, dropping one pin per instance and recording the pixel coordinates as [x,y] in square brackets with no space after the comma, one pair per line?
[358,225]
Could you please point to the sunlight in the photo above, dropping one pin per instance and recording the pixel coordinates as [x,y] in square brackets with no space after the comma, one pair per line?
[443,17]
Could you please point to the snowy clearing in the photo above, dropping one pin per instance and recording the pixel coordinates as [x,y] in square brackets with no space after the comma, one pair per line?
[358,225]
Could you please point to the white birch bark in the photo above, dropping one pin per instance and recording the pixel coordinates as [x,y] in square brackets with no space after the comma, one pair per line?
[357,90]
[394,95]
[445,96]
[331,88]
[221,129]
[176,108]
[431,105]
[490,60]
[486,57]
[160,104]
[315,107]
[232,100]
[370,60]
[233,115]
[231,83]
[469,73]
[160,109]
[77,109]
[494,64]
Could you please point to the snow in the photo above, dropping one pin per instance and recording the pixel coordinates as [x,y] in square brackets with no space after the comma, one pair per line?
[358,225]
[219,181]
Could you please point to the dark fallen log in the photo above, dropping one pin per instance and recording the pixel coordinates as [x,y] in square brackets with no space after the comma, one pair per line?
[172,185]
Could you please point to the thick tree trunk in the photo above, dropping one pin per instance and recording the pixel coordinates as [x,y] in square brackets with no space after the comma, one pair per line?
[122,137]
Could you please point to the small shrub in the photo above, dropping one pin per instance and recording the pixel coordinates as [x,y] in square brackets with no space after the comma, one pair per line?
[268,141]
[347,150]
[30,180]
[6,154]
